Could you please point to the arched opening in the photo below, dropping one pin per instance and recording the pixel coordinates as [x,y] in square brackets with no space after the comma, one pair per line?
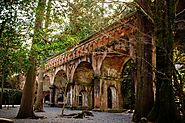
[83,80]
[60,98]
[60,82]
[80,99]
[83,99]
[84,74]
[128,85]
[47,99]
[110,85]
[111,97]
[111,66]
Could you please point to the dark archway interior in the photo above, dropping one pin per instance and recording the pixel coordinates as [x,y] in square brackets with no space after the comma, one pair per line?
[109,94]
[47,98]
[83,98]
[80,99]
[61,97]
[127,85]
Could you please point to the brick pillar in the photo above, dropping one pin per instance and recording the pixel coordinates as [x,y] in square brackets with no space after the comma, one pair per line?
[96,93]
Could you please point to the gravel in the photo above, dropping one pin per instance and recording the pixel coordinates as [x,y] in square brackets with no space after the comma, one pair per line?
[51,115]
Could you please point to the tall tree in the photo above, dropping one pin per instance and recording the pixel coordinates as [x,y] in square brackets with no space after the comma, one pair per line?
[39,97]
[26,107]
[165,109]
[161,13]
[39,107]
[144,82]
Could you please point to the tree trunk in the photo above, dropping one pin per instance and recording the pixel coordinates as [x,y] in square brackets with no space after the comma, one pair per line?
[26,107]
[144,84]
[65,98]
[164,110]
[39,98]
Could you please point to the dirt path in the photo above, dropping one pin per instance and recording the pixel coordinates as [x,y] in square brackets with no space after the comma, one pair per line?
[51,116]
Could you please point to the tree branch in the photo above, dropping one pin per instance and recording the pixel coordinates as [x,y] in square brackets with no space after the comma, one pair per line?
[142,9]
[180,12]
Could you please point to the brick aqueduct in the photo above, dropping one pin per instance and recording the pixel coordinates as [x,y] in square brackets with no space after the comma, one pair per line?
[95,69]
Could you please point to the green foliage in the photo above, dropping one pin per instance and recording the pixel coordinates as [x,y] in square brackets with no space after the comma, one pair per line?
[12,51]
[88,16]
[179,62]
[48,45]
[82,18]
[13,48]
[66,23]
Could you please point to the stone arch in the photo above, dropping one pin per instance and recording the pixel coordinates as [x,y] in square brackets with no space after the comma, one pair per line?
[80,63]
[60,68]
[111,65]
[51,75]
[83,79]
[128,84]
[111,97]
[60,81]
[83,73]
[110,77]
[127,59]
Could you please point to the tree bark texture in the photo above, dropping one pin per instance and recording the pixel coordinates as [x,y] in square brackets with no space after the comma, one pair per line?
[65,98]
[144,84]
[39,98]
[164,110]
[26,107]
